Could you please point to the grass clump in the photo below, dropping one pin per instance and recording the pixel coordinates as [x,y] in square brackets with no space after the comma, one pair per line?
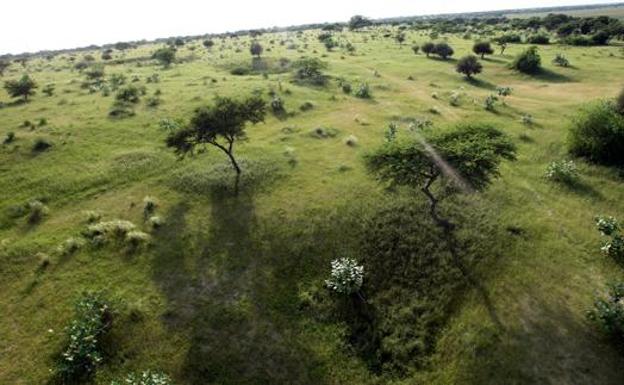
[41,145]
[36,211]
[108,231]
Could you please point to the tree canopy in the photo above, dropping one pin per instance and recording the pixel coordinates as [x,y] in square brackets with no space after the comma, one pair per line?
[219,125]
[472,151]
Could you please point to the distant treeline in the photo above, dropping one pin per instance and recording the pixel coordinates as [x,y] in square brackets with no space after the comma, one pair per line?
[576,30]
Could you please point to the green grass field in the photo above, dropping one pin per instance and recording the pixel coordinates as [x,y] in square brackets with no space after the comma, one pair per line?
[217,294]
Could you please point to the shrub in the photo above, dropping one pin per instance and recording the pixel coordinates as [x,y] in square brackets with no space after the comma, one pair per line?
[128,94]
[149,205]
[48,90]
[391,132]
[309,70]
[10,137]
[277,105]
[92,216]
[346,88]
[597,132]
[561,61]
[528,62]
[106,231]
[155,221]
[363,91]
[538,39]
[607,226]
[69,246]
[240,71]
[490,102]
[36,211]
[145,378]
[84,352]
[608,312]
[562,171]
[306,106]
[136,239]
[527,119]
[610,227]
[469,65]
[346,276]
[416,49]
[351,141]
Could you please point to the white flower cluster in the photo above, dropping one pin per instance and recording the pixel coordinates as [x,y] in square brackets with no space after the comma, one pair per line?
[607,225]
[146,378]
[562,171]
[346,276]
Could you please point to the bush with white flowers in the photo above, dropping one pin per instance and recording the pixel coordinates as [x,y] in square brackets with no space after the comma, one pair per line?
[145,378]
[346,276]
[563,171]
[609,227]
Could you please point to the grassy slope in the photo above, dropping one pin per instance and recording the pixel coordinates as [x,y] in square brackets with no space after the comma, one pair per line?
[230,307]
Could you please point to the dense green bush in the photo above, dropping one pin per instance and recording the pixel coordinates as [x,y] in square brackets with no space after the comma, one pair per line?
[528,62]
[309,71]
[538,39]
[597,133]
[561,61]
[84,348]
[41,144]
[608,313]
[128,94]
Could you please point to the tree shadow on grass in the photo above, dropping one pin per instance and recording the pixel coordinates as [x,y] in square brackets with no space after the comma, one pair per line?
[552,77]
[549,345]
[480,83]
[495,60]
[213,276]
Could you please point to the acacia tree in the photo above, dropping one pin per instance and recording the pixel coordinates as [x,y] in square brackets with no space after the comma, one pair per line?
[220,125]
[469,65]
[482,48]
[443,163]
[24,87]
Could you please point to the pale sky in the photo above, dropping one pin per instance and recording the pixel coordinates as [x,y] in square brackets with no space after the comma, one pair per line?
[32,25]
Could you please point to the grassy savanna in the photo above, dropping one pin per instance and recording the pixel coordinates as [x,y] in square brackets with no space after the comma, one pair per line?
[222,293]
